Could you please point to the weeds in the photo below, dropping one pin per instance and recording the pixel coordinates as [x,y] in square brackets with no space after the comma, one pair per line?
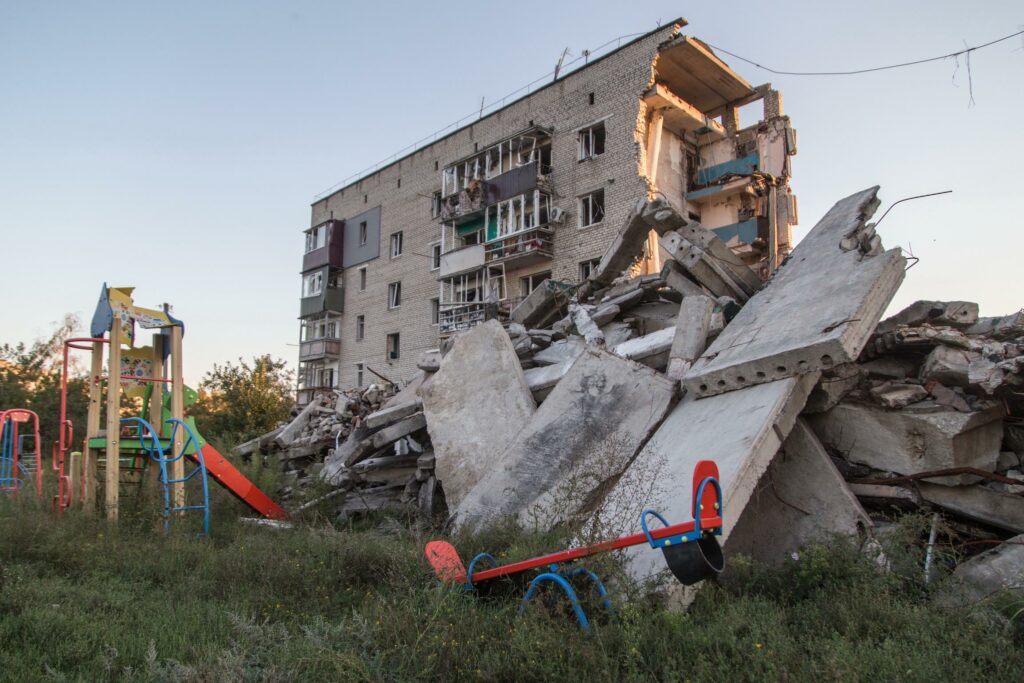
[84,600]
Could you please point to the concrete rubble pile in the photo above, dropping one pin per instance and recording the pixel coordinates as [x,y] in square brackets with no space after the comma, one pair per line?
[370,444]
[593,402]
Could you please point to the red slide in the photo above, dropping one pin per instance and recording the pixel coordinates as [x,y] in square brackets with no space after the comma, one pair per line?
[221,469]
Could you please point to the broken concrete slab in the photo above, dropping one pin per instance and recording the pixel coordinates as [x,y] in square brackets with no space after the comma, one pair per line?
[834,385]
[703,268]
[677,279]
[908,442]
[705,239]
[999,327]
[898,394]
[629,242]
[651,350]
[691,334]
[584,434]
[1001,510]
[889,495]
[605,314]
[801,499]
[386,416]
[955,313]
[741,431]
[592,334]
[988,574]
[475,405]
[654,316]
[430,360]
[294,428]
[948,365]
[543,379]
[615,333]
[818,310]
[545,304]
[566,350]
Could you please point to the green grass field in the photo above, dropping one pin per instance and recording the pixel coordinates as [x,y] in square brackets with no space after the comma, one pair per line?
[84,600]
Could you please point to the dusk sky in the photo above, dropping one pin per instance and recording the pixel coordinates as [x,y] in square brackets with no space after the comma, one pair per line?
[177,146]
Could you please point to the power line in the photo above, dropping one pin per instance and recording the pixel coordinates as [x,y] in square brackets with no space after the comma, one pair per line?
[864,71]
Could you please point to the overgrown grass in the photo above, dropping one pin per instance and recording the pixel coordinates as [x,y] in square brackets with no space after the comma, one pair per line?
[84,600]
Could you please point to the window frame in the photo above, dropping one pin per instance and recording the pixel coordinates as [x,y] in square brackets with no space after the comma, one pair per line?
[397,239]
[587,141]
[396,336]
[587,200]
[360,328]
[364,232]
[394,295]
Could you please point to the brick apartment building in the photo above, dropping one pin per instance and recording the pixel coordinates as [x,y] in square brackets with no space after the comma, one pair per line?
[538,189]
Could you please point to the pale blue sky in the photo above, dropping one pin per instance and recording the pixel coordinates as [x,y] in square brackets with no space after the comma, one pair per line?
[177,146]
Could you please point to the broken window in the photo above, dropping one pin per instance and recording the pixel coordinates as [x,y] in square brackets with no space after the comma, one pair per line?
[316,238]
[435,256]
[587,268]
[359,374]
[360,327]
[396,244]
[363,233]
[313,284]
[435,205]
[591,208]
[435,311]
[394,295]
[530,282]
[590,142]
[393,346]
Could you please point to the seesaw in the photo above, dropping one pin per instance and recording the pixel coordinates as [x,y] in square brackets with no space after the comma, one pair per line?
[691,550]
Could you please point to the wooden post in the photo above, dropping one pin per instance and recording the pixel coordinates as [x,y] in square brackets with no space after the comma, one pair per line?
[92,427]
[177,468]
[75,478]
[113,459]
[156,409]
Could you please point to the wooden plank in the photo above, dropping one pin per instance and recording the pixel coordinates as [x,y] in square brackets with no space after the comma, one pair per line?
[177,468]
[112,470]
[92,427]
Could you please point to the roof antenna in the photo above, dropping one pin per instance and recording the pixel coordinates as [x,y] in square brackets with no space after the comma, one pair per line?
[558,67]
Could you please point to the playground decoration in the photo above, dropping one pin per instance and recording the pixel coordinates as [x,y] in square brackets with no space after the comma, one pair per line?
[128,447]
[691,551]
[18,464]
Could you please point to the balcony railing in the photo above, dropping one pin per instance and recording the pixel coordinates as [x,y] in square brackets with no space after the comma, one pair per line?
[532,243]
[461,260]
[319,348]
[453,318]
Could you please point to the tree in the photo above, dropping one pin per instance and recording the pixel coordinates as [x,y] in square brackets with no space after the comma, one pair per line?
[30,378]
[238,403]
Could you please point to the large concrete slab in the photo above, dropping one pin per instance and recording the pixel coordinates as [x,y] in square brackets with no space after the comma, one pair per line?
[1002,510]
[741,431]
[651,349]
[475,405]
[565,350]
[818,310]
[586,432]
[801,499]
[988,574]
[909,441]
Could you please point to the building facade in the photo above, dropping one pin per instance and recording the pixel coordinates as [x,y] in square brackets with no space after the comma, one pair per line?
[467,226]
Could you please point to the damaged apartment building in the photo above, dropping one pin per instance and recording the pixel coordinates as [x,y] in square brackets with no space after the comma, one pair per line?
[463,229]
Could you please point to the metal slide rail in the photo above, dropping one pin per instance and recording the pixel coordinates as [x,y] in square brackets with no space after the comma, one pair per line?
[12,467]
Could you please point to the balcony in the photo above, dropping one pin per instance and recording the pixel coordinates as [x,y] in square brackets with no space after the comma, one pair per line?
[330,254]
[465,203]
[461,261]
[454,318]
[317,349]
[330,300]
[522,247]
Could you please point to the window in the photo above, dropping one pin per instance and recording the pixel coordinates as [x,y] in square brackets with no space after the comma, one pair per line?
[435,204]
[360,327]
[316,238]
[396,244]
[359,374]
[591,208]
[362,279]
[393,346]
[590,142]
[435,311]
[435,256]
[587,268]
[313,284]
[590,98]
[363,233]
[400,180]
[394,295]
[531,282]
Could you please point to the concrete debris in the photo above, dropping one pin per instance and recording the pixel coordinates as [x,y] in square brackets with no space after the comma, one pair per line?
[584,434]
[475,405]
[822,420]
[989,574]
[906,442]
[818,310]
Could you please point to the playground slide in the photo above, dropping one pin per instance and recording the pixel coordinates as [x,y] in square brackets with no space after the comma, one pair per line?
[221,469]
